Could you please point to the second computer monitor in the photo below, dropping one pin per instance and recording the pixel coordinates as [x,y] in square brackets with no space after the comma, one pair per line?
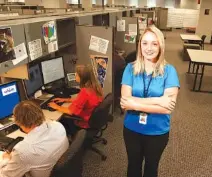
[9,98]
[52,70]
[35,81]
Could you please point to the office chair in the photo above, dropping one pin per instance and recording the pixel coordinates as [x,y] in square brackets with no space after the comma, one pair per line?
[71,162]
[131,57]
[203,41]
[98,123]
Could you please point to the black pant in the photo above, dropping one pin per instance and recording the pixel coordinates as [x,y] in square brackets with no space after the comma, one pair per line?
[140,147]
[69,125]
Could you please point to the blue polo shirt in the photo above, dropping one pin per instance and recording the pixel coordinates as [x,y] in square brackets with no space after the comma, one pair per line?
[157,124]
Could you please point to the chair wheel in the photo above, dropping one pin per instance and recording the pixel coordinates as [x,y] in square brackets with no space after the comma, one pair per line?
[104,142]
[104,158]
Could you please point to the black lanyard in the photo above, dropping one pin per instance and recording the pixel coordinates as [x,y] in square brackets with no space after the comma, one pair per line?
[146,90]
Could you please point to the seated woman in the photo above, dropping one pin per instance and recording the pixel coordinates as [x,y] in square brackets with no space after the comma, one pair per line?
[88,98]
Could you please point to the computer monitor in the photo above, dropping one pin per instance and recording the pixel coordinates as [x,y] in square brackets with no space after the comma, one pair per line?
[35,81]
[52,70]
[9,97]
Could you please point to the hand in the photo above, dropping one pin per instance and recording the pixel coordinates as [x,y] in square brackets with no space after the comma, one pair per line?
[127,103]
[167,102]
[53,105]
[6,155]
[59,100]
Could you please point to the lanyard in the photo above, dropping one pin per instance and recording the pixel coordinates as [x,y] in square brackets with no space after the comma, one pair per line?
[146,89]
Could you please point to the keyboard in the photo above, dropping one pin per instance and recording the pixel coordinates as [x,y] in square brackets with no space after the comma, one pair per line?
[9,147]
[45,104]
[4,141]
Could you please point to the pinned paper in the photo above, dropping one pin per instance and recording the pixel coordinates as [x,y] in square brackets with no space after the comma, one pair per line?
[133,29]
[99,64]
[129,38]
[71,77]
[52,46]
[20,53]
[35,49]
[6,45]
[98,44]
[120,25]
[49,32]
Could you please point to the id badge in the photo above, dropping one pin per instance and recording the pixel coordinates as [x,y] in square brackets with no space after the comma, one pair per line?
[143,118]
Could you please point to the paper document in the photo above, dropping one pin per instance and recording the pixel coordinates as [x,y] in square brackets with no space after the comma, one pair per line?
[98,44]
[133,29]
[120,25]
[20,53]
[35,49]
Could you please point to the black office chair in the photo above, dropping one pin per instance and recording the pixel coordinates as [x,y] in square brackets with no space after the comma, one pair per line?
[203,41]
[71,162]
[131,57]
[98,123]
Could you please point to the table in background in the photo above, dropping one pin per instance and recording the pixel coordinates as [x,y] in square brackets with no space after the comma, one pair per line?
[200,58]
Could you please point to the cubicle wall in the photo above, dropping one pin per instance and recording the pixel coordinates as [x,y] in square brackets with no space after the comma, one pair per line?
[84,20]
[66,32]
[120,41]
[113,19]
[84,54]
[34,35]
[18,38]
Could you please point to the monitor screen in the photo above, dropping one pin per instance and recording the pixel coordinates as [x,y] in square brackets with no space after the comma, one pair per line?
[35,81]
[52,70]
[9,97]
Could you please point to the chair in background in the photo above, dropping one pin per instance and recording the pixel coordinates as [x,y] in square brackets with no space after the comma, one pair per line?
[131,57]
[71,162]
[203,42]
[98,123]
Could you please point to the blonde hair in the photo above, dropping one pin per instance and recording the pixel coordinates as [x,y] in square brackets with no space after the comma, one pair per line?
[138,64]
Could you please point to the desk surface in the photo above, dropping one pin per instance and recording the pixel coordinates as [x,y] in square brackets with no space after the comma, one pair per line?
[200,56]
[192,37]
[54,115]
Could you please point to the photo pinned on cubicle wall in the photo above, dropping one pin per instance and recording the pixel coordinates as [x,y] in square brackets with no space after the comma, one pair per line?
[128,38]
[49,32]
[99,64]
[6,45]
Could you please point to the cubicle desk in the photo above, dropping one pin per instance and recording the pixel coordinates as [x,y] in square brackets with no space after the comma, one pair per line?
[55,115]
[201,58]
[191,38]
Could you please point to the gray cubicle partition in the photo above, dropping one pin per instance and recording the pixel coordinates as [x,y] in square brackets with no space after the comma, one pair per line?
[33,32]
[85,20]
[18,38]
[119,40]
[66,32]
[83,36]
[113,19]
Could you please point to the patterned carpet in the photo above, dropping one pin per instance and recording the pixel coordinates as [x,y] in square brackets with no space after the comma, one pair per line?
[189,152]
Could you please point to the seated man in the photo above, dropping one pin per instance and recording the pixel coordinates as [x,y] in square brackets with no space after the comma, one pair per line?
[41,148]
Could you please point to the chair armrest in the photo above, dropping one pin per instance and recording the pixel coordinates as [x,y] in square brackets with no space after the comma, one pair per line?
[74,117]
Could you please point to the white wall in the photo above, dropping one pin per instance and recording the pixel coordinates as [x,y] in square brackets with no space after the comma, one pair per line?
[189,4]
[33,2]
[204,24]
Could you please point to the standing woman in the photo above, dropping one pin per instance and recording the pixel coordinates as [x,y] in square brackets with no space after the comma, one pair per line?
[149,92]
[89,97]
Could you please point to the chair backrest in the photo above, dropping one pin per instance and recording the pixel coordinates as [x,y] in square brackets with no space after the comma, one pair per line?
[203,38]
[71,162]
[100,114]
[130,57]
